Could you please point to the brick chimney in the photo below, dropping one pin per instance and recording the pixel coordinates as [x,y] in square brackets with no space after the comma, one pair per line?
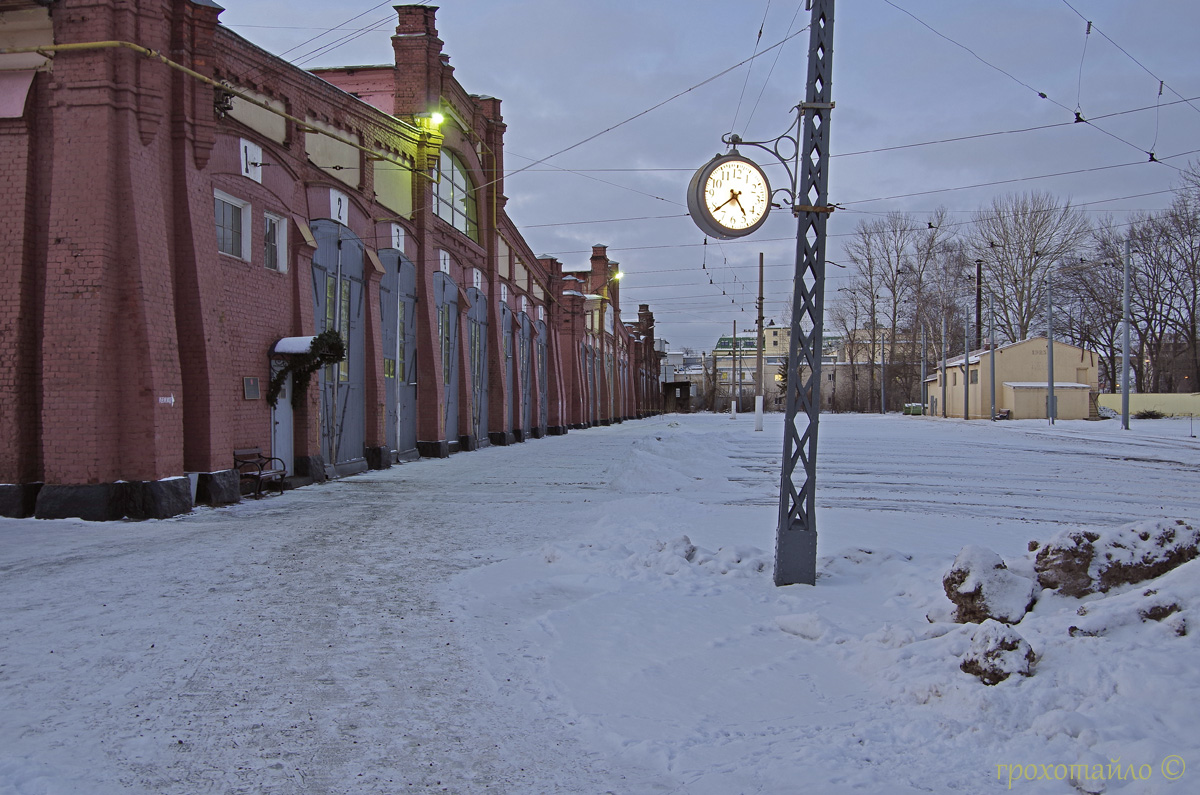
[420,65]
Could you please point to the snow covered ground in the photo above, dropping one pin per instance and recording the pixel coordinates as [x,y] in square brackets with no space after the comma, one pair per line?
[595,613]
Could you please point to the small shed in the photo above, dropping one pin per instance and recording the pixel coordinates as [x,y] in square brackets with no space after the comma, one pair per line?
[1022,382]
[677,396]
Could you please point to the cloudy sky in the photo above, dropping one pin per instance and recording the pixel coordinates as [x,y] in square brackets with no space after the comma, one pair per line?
[905,73]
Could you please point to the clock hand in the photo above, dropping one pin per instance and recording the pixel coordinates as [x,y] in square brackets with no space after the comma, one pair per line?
[733,194]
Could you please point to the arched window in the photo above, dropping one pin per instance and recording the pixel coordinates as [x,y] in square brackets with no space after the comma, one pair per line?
[454,196]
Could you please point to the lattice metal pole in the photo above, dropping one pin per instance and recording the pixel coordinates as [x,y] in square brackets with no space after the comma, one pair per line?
[796,536]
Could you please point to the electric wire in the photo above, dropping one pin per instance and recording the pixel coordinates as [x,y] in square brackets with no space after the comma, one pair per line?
[308,41]
[750,68]
[1079,83]
[312,55]
[771,71]
[651,109]
[1013,180]
[849,208]
[1079,117]
[552,167]
[1135,60]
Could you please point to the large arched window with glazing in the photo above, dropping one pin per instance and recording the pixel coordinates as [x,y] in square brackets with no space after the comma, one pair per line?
[454,196]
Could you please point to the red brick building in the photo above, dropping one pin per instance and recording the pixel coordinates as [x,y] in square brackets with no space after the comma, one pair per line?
[186,213]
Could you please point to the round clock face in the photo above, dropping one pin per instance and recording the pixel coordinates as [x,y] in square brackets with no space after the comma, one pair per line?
[729,197]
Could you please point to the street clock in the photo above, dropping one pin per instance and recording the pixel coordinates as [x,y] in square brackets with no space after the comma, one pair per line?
[729,196]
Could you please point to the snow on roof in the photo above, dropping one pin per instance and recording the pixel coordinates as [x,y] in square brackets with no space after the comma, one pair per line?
[574,292]
[1042,385]
[576,268]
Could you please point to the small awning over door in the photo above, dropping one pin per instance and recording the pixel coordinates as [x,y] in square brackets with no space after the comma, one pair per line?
[292,345]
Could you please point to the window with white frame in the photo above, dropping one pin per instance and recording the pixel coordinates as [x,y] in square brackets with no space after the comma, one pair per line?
[398,237]
[503,293]
[477,278]
[275,250]
[454,196]
[233,225]
[444,261]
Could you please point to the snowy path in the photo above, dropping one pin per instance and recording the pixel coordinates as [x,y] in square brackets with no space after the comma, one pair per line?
[295,644]
[353,638]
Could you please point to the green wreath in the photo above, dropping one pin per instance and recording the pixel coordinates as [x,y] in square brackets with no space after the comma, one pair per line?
[327,348]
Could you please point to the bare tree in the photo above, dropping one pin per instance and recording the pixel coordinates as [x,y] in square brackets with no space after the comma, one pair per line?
[1151,309]
[1095,285]
[1179,229]
[844,317]
[1020,239]
[932,248]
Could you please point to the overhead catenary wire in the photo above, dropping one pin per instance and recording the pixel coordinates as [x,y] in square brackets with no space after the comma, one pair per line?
[866,201]
[1079,83]
[973,136]
[651,109]
[1135,60]
[280,56]
[750,68]
[774,63]
[1078,115]
[312,55]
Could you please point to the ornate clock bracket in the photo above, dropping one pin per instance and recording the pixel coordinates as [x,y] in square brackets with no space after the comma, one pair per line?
[786,150]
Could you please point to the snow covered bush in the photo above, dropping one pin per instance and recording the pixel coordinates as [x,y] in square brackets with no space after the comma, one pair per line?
[1080,562]
[997,652]
[981,587]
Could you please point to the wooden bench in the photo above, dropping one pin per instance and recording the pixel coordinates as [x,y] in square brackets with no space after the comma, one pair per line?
[254,467]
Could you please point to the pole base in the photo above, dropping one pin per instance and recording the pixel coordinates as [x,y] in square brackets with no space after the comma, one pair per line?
[796,557]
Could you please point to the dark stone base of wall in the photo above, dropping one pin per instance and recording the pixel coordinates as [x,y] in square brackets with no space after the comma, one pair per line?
[311,466]
[379,457]
[218,488]
[501,438]
[537,433]
[578,426]
[468,443]
[295,482]
[519,435]
[557,430]
[404,456]
[106,502]
[434,449]
[606,422]
[96,502]
[18,500]
[158,499]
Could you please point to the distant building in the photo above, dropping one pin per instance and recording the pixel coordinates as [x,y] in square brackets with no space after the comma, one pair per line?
[1022,384]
